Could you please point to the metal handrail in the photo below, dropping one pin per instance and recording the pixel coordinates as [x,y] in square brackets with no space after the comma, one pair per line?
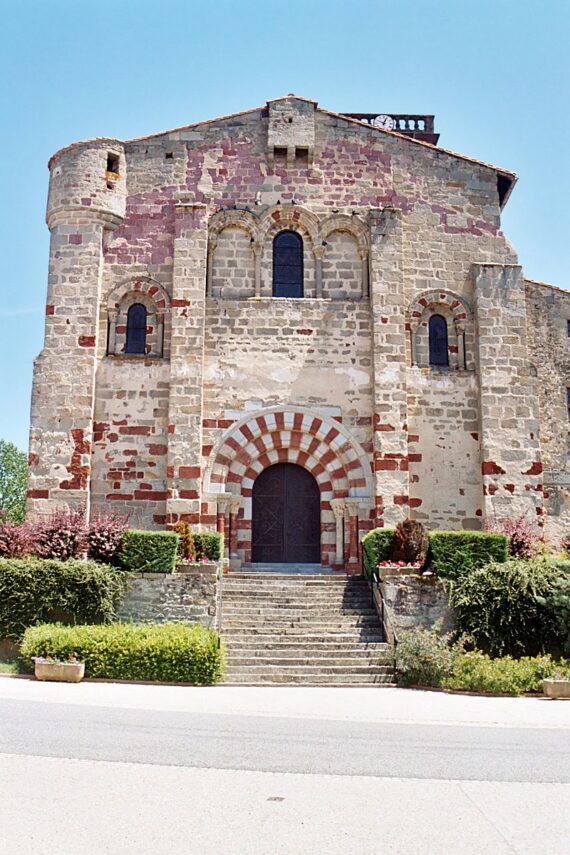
[219,599]
[384,614]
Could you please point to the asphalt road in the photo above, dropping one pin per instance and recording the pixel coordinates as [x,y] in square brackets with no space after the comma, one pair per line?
[292,745]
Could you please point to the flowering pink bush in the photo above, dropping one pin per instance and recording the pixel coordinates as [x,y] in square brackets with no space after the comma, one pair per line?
[414,564]
[15,540]
[524,540]
[105,534]
[565,543]
[61,535]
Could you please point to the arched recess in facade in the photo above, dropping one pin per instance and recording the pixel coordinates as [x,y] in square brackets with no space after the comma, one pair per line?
[297,219]
[156,300]
[459,316]
[246,222]
[261,229]
[353,226]
[292,435]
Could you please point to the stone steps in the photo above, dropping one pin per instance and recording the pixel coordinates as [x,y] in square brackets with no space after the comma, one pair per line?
[351,661]
[252,647]
[328,680]
[308,629]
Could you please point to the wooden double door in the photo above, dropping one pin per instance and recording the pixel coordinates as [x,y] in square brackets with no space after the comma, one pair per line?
[286,516]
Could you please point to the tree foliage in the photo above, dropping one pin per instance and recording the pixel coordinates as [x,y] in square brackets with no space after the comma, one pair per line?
[13,481]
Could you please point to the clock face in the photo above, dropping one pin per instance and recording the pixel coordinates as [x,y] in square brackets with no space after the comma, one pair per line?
[387,123]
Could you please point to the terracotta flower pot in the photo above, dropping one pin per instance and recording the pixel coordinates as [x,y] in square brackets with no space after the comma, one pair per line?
[60,672]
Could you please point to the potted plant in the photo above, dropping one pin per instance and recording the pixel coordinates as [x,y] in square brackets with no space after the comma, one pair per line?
[57,670]
[409,549]
[557,686]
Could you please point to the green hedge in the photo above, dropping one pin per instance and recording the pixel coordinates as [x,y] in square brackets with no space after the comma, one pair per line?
[169,652]
[477,672]
[457,553]
[208,544]
[426,658]
[376,547]
[508,608]
[149,551]
[35,590]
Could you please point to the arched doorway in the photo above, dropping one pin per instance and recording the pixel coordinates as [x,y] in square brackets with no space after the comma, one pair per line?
[286,516]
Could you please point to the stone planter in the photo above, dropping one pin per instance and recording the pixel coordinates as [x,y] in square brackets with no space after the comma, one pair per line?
[60,672]
[556,688]
[197,567]
[399,569]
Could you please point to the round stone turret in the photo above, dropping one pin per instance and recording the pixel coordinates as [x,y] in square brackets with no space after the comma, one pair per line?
[88,178]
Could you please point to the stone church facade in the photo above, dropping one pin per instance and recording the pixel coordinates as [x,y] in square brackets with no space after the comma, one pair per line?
[295,325]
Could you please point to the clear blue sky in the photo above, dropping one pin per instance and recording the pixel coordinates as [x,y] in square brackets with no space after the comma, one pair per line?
[494,72]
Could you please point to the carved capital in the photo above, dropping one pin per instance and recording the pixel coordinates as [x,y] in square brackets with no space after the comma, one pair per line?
[352,505]
[224,501]
[338,507]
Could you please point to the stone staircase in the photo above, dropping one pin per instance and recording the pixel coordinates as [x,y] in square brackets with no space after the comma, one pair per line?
[302,628]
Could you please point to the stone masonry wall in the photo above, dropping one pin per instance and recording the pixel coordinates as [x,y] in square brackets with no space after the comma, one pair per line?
[414,602]
[130,439]
[177,597]
[342,268]
[233,265]
[421,220]
[548,311]
[444,449]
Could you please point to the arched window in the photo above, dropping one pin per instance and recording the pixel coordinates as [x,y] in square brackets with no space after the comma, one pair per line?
[438,350]
[288,265]
[136,329]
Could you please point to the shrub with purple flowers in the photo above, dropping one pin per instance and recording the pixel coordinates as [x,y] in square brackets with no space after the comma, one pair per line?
[15,540]
[105,534]
[523,538]
[61,535]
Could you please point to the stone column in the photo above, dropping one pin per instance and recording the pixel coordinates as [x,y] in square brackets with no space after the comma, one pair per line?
[187,360]
[338,506]
[223,520]
[210,265]
[364,260]
[234,506]
[353,564]
[319,252]
[387,304]
[257,253]
[160,332]
[511,467]
[112,334]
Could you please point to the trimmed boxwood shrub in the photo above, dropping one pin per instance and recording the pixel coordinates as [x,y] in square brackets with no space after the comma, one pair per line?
[33,590]
[503,607]
[168,652]
[376,547]
[149,551]
[208,544]
[457,553]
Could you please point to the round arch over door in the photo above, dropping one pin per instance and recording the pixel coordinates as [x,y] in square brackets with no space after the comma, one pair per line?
[286,516]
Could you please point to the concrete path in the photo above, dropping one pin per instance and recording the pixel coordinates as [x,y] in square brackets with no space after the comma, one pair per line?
[108,768]
[345,704]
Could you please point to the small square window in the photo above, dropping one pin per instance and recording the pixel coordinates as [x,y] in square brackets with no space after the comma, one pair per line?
[280,155]
[302,157]
[113,163]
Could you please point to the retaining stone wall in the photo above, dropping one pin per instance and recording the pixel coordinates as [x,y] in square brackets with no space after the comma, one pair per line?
[180,597]
[415,601]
